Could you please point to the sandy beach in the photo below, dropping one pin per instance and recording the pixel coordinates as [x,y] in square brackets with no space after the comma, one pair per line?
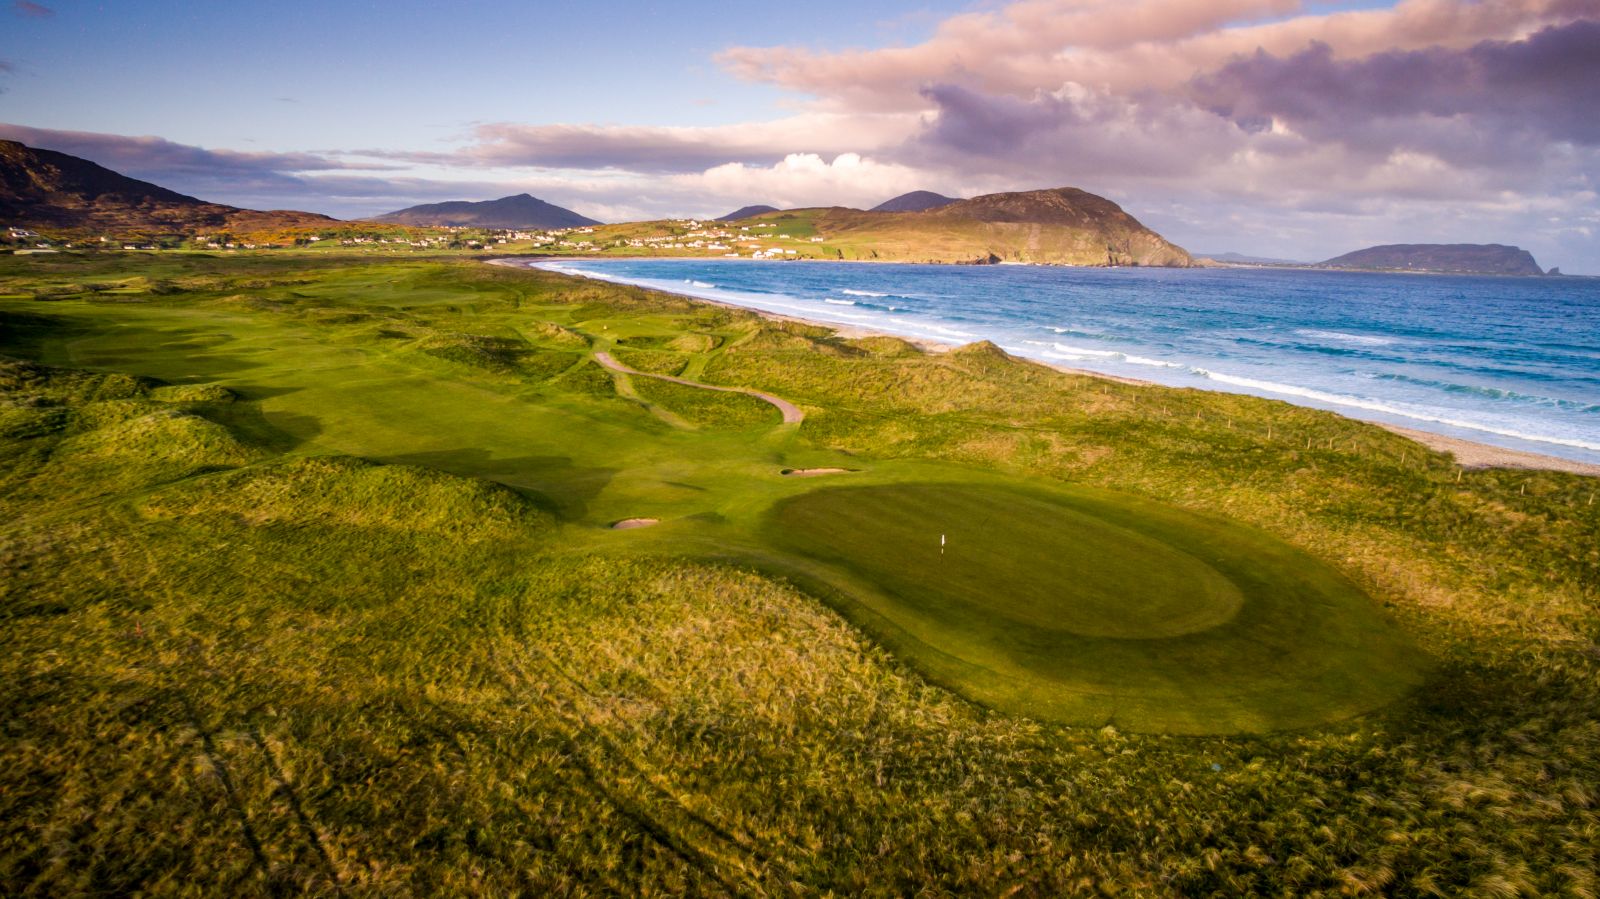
[1471,454]
[1467,453]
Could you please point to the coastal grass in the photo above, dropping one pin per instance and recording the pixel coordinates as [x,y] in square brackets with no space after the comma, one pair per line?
[309,586]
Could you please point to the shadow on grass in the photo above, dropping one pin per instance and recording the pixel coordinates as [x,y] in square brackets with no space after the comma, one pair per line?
[278,432]
[24,334]
[552,482]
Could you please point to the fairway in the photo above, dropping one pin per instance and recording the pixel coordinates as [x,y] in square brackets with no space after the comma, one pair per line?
[1092,608]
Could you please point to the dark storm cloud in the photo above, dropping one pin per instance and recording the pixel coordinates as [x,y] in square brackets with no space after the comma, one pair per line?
[1460,104]
[1516,110]
[1075,132]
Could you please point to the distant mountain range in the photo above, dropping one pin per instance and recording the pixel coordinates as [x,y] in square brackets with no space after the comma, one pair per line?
[1063,226]
[46,189]
[745,212]
[514,212]
[1452,258]
[54,191]
[916,201]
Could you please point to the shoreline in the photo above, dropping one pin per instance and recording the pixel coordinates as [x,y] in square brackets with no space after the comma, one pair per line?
[1472,454]
[1469,454]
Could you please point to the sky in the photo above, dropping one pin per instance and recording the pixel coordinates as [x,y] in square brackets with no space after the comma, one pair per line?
[1271,127]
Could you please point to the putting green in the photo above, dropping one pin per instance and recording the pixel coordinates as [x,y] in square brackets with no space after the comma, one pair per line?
[1090,608]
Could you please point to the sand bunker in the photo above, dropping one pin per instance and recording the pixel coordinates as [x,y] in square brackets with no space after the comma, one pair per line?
[813,472]
[627,524]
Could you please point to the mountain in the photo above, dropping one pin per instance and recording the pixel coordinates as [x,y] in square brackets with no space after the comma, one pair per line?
[520,211]
[747,212]
[53,191]
[916,201]
[1451,258]
[1245,259]
[1063,226]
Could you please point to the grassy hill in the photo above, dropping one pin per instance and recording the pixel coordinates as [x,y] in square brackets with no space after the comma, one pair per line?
[1061,227]
[744,212]
[514,212]
[1455,258]
[1065,226]
[309,586]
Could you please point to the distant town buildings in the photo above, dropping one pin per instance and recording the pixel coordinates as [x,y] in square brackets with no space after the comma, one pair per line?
[681,236]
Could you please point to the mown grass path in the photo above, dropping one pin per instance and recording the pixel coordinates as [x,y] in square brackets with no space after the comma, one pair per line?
[792,414]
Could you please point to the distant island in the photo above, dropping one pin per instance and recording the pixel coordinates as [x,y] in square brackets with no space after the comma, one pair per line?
[1440,258]
[516,212]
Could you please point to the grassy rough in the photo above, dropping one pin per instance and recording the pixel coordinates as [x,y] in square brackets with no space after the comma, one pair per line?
[707,408]
[246,664]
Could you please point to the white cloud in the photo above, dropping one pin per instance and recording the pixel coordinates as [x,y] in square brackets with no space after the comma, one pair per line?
[806,179]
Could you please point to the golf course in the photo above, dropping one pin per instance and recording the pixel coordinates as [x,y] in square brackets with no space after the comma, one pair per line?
[346,573]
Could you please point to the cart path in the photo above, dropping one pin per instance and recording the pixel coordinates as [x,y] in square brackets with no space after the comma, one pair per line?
[791,412]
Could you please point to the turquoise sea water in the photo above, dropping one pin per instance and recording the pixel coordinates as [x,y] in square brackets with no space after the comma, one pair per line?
[1509,361]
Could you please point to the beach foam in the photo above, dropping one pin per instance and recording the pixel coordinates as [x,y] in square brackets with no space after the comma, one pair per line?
[1370,405]
[1511,359]
[1365,339]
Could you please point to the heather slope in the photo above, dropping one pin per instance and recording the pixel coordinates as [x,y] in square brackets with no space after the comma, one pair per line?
[1064,226]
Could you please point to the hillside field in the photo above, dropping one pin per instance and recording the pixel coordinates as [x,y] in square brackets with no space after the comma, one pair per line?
[310,585]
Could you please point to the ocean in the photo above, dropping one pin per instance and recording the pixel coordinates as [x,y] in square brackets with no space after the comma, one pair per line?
[1513,362]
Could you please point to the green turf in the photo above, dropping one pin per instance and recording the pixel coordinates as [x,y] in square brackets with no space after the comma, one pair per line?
[1094,608]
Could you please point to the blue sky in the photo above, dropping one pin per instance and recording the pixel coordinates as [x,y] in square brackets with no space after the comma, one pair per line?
[408,74]
[1277,127]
